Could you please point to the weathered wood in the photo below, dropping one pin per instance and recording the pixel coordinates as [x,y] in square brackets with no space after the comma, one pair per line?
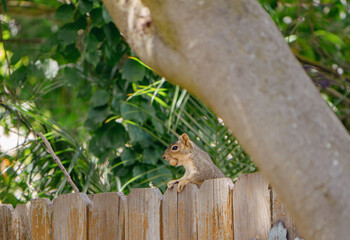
[20,222]
[107,216]
[279,211]
[41,215]
[214,209]
[143,216]
[6,211]
[179,213]
[169,214]
[70,217]
[251,207]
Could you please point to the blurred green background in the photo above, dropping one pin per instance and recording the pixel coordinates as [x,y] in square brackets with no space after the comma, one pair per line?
[66,71]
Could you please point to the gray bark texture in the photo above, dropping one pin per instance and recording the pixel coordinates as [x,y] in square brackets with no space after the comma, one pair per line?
[230,55]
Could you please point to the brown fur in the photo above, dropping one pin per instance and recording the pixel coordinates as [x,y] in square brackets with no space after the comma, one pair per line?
[198,165]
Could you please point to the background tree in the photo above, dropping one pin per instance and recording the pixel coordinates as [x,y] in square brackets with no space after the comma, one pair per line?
[65,71]
[272,107]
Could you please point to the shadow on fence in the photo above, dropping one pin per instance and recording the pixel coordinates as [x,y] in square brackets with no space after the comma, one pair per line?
[218,210]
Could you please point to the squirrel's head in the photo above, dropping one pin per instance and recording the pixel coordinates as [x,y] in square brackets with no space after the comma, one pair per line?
[178,152]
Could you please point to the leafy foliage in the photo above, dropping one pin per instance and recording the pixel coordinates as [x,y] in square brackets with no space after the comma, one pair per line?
[108,116]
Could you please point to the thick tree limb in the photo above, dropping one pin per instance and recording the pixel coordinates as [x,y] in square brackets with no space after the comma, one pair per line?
[231,55]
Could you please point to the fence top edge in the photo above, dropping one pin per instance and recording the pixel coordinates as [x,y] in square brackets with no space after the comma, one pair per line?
[8,206]
[82,196]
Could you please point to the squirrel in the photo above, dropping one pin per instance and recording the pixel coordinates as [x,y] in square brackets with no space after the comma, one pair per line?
[197,163]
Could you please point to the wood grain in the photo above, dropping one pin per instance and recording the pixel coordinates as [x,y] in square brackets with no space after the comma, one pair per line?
[6,211]
[20,222]
[279,211]
[106,216]
[41,216]
[214,209]
[179,213]
[251,207]
[70,217]
[143,217]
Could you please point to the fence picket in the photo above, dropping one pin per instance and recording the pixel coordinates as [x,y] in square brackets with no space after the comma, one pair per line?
[20,222]
[169,214]
[143,215]
[41,215]
[279,211]
[106,216]
[179,213]
[251,207]
[69,217]
[214,209]
[6,232]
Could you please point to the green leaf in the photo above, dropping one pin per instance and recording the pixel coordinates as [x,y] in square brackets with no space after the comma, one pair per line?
[129,156]
[71,76]
[133,71]
[131,113]
[17,55]
[67,36]
[18,77]
[114,136]
[95,146]
[96,15]
[71,53]
[80,23]
[105,14]
[92,57]
[65,12]
[100,98]
[85,6]
[158,127]
[96,116]
[98,32]
[84,90]
[91,42]
[329,37]
[151,155]
[137,135]
[112,34]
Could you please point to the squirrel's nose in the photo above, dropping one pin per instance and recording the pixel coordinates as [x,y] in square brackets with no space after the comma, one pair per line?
[163,156]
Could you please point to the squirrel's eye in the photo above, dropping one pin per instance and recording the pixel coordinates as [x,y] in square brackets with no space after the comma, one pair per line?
[174,148]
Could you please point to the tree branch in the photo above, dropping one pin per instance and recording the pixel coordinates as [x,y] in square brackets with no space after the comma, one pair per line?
[231,55]
[57,160]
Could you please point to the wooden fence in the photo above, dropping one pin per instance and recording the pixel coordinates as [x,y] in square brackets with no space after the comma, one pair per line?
[219,209]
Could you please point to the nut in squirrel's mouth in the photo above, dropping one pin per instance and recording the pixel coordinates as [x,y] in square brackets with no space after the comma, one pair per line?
[173,162]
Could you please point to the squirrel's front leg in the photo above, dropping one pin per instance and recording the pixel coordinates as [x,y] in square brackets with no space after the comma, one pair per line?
[182,184]
[173,182]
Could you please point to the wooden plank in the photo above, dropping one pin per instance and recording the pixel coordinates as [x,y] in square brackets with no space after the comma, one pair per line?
[179,213]
[70,217]
[107,216]
[169,214]
[251,207]
[214,209]
[40,215]
[6,211]
[20,222]
[280,212]
[143,217]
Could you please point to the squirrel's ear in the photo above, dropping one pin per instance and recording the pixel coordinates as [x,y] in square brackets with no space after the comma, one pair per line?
[185,139]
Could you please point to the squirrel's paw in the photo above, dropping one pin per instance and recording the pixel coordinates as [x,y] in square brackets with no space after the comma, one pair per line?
[181,185]
[172,183]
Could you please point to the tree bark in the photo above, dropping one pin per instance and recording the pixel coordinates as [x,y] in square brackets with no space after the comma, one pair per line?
[231,55]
